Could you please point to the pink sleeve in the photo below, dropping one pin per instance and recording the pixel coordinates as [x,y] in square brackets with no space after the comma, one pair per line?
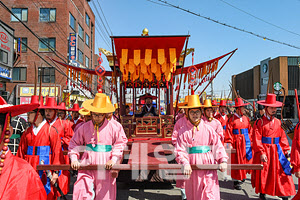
[120,142]
[182,156]
[175,134]
[76,143]
[218,149]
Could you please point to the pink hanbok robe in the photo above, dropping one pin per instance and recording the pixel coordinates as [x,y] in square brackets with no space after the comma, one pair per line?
[203,184]
[107,145]
[216,125]
[178,125]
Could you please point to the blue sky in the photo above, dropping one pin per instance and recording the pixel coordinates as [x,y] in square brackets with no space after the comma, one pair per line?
[210,40]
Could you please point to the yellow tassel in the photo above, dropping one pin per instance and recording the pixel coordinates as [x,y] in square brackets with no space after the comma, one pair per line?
[153,66]
[143,67]
[216,65]
[124,56]
[160,56]
[137,57]
[148,56]
[131,67]
[172,52]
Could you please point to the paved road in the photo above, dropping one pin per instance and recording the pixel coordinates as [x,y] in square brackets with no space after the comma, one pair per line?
[168,191]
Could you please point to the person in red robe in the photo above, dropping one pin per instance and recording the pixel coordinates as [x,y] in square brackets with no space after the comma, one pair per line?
[18,180]
[40,144]
[75,115]
[271,148]
[238,134]
[62,111]
[65,133]
[221,116]
[295,157]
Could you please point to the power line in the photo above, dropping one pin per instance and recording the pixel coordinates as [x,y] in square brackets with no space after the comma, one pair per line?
[260,18]
[56,24]
[158,3]
[104,18]
[230,26]
[41,40]
[102,38]
[49,23]
[100,19]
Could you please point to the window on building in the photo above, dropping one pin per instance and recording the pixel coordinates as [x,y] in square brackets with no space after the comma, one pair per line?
[80,56]
[80,32]
[72,22]
[19,74]
[47,73]
[87,62]
[19,44]
[87,19]
[47,44]
[87,39]
[21,13]
[3,57]
[47,14]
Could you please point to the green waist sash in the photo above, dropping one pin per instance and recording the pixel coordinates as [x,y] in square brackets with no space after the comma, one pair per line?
[15,136]
[198,149]
[99,148]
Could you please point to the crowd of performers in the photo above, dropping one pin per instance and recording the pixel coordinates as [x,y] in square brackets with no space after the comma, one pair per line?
[200,135]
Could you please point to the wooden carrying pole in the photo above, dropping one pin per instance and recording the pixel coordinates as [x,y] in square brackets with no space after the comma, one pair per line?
[297,102]
[35,79]
[153,167]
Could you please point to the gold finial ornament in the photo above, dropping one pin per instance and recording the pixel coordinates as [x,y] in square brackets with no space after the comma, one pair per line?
[145,32]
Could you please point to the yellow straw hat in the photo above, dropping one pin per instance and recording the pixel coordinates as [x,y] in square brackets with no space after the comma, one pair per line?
[116,106]
[99,104]
[207,104]
[184,103]
[193,102]
[84,111]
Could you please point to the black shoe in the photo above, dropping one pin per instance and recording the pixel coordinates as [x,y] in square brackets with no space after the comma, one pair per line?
[262,196]
[237,185]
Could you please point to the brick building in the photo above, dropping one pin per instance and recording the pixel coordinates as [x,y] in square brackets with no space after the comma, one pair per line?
[252,84]
[52,21]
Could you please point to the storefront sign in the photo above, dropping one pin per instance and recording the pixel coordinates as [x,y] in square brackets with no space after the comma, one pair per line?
[5,72]
[73,47]
[25,100]
[29,91]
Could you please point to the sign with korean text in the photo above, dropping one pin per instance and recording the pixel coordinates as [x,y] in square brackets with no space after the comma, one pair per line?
[29,91]
[5,72]
[73,47]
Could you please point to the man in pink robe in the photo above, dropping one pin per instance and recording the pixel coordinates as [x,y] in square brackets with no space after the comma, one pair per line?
[197,143]
[104,143]
[209,119]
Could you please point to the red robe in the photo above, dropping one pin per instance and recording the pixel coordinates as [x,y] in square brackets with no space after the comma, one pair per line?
[238,142]
[65,132]
[272,179]
[20,181]
[47,140]
[223,121]
[295,156]
[75,124]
